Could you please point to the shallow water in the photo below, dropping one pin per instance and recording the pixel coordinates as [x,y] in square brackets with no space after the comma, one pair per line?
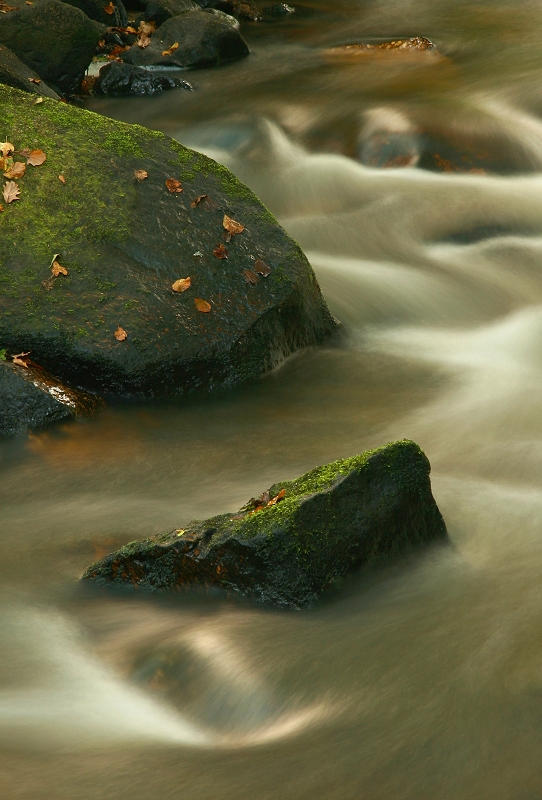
[422,681]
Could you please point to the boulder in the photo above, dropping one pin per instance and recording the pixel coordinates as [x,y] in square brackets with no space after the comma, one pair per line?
[31,398]
[203,40]
[54,39]
[299,537]
[14,73]
[160,10]
[124,242]
[115,15]
[123,79]
[240,9]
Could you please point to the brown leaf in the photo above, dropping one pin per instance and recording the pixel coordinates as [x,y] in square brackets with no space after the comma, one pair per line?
[277,498]
[16,171]
[143,40]
[120,334]
[173,185]
[62,179]
[56,268]
[36,158]
[6,148]
[231,225]
[140,174]
[21,360]
[171,49]
[181,285]
[35,80]
[220,251]
[48,283]
[250,276]
[146,27]
[11,192]
[262,268]
[202,305]
[195,203]
[38,101]
[110,8]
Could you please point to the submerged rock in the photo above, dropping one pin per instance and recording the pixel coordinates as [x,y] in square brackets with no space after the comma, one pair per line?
[202,40]
[297,539]
[122,79]
[54,39]
[13,72]
[31,398]
[113,323]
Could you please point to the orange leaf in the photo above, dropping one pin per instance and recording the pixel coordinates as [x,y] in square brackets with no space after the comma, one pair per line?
[1,208]
[261,267]
[62,179]
[36,158]
[250,276]
[231,225]
[35,80]
[140,174]
[171,49]
[11,192]
[20,359]
[16,171]
[173,185]
[109,9]
[277,498]
[202,305]
[129,29]
[56,268]
[120,334]
[195,203]
[220,251]
[181,285]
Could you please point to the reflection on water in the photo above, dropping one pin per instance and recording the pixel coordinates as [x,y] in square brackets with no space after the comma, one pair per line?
[414,186]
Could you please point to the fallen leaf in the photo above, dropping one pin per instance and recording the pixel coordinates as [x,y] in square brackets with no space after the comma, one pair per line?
[277,498]
[16,171]
[173,185]
[202,305]
[171,49]
[11,192]
[6,148]
[140,174]
[129,29]
[62,179]
[220,251]
[36,158]
[120,334]
[116,51]
[38,101]
[261,267]
[35,80]
[231,225]
[1,208]
[48,283]
[197,200]
[143,40]
[181,285]
[56,268]
[20,359]
[146,27]
[250,276]
[109,9]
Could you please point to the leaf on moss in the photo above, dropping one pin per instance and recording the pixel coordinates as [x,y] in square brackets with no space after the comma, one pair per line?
[262,268]
[141,174]
[36,158]
[120,334]
[1,208]
[56,268]
[17,170]
[11,192]
[38,101]
[202,305]
[277,498]
[62,179]
[6,148]
[250,276]
[173,185]
[171,49]
[232,226]
[181,285]
[220,251]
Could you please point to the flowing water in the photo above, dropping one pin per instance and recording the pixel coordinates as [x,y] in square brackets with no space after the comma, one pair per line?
[424,680]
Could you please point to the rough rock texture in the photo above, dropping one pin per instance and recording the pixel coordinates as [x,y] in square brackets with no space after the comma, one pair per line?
[54,39]
[331,521]
[30,398]
[204,40]
[241,9]
[14,73]
[95,9]
[124,242]
[160,10]
[122,79]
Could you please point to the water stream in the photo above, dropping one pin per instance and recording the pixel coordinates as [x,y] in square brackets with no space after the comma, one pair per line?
[424,680]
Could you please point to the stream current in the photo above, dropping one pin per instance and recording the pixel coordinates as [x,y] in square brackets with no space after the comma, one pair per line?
[421,681]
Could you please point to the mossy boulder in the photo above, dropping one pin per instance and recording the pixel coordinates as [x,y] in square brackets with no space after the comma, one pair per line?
[124,242]
[297,539]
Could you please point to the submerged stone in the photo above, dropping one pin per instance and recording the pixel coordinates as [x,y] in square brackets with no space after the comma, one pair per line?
[297,539]
[123,79]
[124,242]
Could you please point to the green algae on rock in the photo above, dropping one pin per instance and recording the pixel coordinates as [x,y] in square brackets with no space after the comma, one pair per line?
[331,521]
[124,242]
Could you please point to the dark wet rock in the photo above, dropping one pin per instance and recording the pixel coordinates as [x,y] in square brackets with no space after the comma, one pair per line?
[278,10]
[203,39]
[124,242]
[54,39]
[160,10]
[240,9]
[31,398]
[331,521]
[123,79]
[14,73]
[95,9]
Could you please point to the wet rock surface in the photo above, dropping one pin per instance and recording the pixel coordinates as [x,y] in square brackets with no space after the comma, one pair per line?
[124,79]
[202,39]
[13,72]
[161,10]
[240,9]
[124,242]
[55,40]
[299,537]
[96,9]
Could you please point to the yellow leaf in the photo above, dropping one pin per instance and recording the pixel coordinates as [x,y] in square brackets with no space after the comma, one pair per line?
[56,268]
[171,49]
[6,148]
[202,305]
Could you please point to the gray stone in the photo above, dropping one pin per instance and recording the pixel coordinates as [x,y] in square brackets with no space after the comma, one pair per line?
[14,73]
